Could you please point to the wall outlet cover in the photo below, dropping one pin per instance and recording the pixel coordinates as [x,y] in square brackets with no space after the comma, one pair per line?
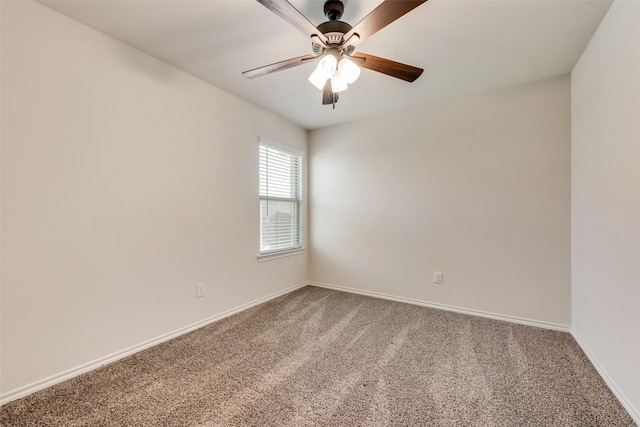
[199,290]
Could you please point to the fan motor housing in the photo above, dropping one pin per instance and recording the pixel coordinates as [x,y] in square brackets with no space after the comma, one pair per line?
[333,31]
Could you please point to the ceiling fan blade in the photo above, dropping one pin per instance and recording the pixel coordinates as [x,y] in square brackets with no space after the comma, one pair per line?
[327,93]
[289,13]
[383,15]
[278,66]
[388,67]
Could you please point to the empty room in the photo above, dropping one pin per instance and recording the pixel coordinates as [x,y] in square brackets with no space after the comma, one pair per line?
[320,213]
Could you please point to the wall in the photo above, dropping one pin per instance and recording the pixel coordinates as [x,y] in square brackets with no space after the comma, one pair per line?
[605,216]
[125,182]
[478,189]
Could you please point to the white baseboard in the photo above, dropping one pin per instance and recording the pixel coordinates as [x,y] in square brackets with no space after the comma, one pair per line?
[512,319]
[74,372]
[633,413]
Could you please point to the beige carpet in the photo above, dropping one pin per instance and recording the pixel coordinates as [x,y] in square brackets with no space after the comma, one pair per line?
[322,357]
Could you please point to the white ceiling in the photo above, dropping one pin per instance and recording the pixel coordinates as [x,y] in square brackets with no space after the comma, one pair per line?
[464,46]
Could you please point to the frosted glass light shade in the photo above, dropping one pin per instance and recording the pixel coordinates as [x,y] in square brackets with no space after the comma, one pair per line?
[348,70]
[325,69]
[318,78]
[328,64]
[338,83]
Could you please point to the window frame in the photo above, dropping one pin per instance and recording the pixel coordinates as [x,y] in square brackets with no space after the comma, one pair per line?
[264,255]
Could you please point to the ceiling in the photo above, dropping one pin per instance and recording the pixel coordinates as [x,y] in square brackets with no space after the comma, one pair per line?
[464,46]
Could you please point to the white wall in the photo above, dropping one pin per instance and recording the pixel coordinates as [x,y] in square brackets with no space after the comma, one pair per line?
[605,218]
[124,183]
[478,189]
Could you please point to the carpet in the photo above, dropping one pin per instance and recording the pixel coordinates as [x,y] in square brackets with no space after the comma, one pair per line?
[319,357]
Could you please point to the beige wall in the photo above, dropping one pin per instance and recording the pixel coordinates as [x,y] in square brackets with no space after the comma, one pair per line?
[606,200]
[478,189]
[125,182]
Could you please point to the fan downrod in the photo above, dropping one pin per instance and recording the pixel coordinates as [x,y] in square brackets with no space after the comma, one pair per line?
[333,10]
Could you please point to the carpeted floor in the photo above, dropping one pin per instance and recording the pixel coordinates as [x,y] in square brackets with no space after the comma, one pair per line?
[318,357]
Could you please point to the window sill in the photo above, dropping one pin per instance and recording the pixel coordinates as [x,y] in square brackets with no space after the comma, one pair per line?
[281,254]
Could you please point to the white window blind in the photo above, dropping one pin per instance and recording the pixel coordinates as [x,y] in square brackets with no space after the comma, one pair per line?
[280,199]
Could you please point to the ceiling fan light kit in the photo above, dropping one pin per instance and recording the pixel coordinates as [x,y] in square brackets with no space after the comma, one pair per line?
[334,42]
[342,73]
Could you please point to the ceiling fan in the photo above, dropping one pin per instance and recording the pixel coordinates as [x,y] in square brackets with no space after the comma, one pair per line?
[334,42]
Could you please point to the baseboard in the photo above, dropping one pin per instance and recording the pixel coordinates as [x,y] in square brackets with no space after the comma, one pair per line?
[512,319]
[74,372]
[633,413]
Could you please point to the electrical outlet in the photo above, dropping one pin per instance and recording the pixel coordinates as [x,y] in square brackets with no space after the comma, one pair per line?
[199,290]
[438,277]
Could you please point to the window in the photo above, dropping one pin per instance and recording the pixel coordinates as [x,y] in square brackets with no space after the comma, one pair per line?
[280,199]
